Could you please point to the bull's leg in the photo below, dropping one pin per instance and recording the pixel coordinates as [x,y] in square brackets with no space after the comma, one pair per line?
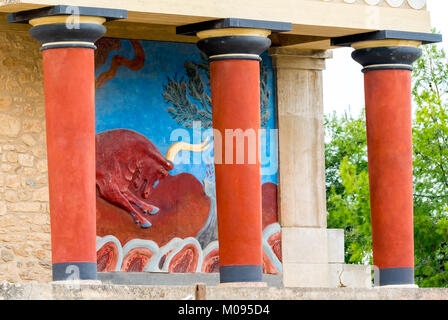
[136,208]
[115,196]
[141,204]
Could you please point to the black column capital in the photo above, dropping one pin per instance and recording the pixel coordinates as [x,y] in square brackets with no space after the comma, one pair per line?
[67,26]
[386,49]
[387,57]
[230,38]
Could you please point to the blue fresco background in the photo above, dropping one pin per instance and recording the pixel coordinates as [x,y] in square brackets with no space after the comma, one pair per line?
[133,100]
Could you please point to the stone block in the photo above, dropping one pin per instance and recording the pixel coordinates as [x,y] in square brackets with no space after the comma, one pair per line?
[350,276]
[10,126]
[11,196]
[25,207]
[11,157]
[12,181]
[2,208]
[42,166]
[32,126]
[302,173]
[301,59]
[41,194]
[28,140]
[305,275]
[7,255]
[335,245]
[301,142]
[26,160]
[304,245]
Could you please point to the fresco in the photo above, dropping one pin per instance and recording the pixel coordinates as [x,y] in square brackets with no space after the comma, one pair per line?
[156,202]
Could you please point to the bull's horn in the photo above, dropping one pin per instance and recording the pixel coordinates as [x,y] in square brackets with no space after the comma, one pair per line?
[179,146]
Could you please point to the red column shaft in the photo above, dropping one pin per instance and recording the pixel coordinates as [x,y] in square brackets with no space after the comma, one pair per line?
[70,120]
[389,142]
[235,89]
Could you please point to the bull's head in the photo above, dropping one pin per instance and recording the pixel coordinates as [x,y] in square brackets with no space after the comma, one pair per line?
[155,168]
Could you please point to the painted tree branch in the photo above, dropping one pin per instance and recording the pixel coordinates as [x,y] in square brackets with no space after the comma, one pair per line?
[189,99]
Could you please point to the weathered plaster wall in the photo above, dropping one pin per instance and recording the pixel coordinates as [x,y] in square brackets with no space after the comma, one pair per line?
[24,213]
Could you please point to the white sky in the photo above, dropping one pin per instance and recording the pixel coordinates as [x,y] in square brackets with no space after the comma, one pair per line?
[343,80]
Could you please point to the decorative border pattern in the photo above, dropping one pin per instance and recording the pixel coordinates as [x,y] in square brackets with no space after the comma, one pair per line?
[414,4]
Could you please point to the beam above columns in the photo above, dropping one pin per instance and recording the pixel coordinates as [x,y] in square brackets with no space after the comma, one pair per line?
[424,38]
[272,26]
[315,18]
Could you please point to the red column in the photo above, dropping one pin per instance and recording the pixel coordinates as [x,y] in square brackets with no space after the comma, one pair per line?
[70,120]
[389,141]
[235,90]
[387,79]
[69,87]
[234,47]
[387,57]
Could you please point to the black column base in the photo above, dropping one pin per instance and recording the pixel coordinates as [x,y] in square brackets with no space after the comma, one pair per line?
[74,271]
[394,276]
[246,273]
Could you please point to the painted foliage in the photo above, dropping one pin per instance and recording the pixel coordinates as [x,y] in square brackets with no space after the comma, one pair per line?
[156,213]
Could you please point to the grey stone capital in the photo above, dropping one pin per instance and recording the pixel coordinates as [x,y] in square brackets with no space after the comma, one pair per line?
[301,59]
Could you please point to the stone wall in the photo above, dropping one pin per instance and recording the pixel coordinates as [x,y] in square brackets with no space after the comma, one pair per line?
[24,211]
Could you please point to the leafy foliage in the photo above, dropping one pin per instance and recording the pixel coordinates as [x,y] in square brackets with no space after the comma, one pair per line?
[189,98]
[185,95]
[347,174]
[430,132]
[348,202]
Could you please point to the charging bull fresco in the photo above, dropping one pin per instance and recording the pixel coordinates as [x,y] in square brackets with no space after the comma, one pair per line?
[154,212]
[128,166]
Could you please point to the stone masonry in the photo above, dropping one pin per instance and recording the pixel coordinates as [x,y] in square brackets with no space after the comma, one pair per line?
[24,210]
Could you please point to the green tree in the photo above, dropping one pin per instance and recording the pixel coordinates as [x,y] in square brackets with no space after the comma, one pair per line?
[430,136]
[348,202]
